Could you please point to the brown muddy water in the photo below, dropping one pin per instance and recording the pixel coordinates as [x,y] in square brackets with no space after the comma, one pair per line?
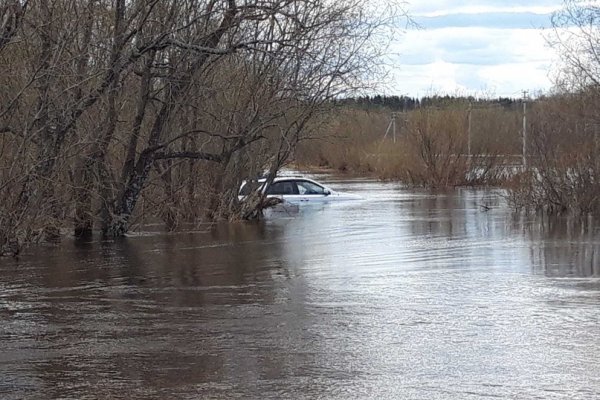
[405,295]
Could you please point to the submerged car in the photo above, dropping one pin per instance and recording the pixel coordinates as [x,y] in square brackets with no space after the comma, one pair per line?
[295,190]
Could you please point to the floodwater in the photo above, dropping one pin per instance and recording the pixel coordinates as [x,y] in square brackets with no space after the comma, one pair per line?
[405,295]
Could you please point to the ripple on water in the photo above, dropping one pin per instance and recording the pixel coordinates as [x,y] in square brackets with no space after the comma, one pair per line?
[405,294]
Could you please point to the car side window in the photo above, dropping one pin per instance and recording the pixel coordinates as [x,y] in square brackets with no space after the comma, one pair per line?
[307,188]
[281,188]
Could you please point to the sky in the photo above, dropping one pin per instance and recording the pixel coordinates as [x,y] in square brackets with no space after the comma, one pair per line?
[484,48]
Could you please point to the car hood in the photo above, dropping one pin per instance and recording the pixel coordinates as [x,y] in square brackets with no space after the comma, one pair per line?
[345,196]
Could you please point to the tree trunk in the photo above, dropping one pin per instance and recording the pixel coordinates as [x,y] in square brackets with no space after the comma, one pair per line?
[84,182]
[117,223]
[84,185]
[169,215]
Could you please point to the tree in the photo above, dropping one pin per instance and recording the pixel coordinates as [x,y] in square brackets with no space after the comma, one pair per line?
[576,37]
[303,52]
[564,140]
[59,59]
[101,99]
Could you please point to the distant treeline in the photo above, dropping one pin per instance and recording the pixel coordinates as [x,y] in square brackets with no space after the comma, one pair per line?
[405,103]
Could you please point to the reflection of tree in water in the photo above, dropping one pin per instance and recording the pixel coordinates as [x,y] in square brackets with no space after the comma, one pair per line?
[219,304]
[246,303]
[455,214]
[564,247]
[556,246]
[436,214]
[157,312]
[62,337]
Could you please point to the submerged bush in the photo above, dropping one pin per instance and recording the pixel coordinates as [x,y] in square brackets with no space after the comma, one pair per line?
[564,168]
[430,150]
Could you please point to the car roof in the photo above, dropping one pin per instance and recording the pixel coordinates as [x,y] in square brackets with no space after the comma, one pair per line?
[286,178]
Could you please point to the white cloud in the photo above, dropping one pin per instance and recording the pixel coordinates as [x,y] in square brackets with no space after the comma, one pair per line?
[475,45]
[473,59]
[436,8]
[466,79]
[421,80]
[511,79]
[489,10]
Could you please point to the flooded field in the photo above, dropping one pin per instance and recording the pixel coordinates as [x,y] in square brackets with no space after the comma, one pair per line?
[404,295]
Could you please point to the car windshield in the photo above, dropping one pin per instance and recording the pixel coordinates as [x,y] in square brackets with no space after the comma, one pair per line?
[306,187]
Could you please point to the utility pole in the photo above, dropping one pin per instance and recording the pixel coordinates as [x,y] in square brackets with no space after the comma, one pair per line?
[391,126]
[596,142]
[469,154]
[394,123]
[524,136]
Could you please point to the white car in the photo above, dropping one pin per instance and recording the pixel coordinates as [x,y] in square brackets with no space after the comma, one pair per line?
[295,190]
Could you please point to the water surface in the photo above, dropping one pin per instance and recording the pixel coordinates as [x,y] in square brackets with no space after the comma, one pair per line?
[407,294]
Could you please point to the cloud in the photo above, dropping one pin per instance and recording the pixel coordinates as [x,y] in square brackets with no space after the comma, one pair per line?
[478,46]
[466,79]
[472,60]
[436,8]
[508,79]
[503,20]
[420,80]
[489,46]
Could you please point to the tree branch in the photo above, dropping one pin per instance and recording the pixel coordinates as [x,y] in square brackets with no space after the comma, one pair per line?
[190,155]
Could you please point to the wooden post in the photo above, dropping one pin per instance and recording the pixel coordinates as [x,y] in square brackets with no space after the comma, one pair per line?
[469,154]
[394,125]
[524,136]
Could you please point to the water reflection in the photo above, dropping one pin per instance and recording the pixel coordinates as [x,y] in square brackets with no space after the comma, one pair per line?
[564,247]
[407,294]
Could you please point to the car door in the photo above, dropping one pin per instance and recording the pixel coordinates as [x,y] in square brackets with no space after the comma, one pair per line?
[285,190]
[310,192]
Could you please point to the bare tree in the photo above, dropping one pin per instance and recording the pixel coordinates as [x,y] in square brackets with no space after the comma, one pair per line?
[576,37]
[11,14]
[102,98]
[564,140]
[303,52]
